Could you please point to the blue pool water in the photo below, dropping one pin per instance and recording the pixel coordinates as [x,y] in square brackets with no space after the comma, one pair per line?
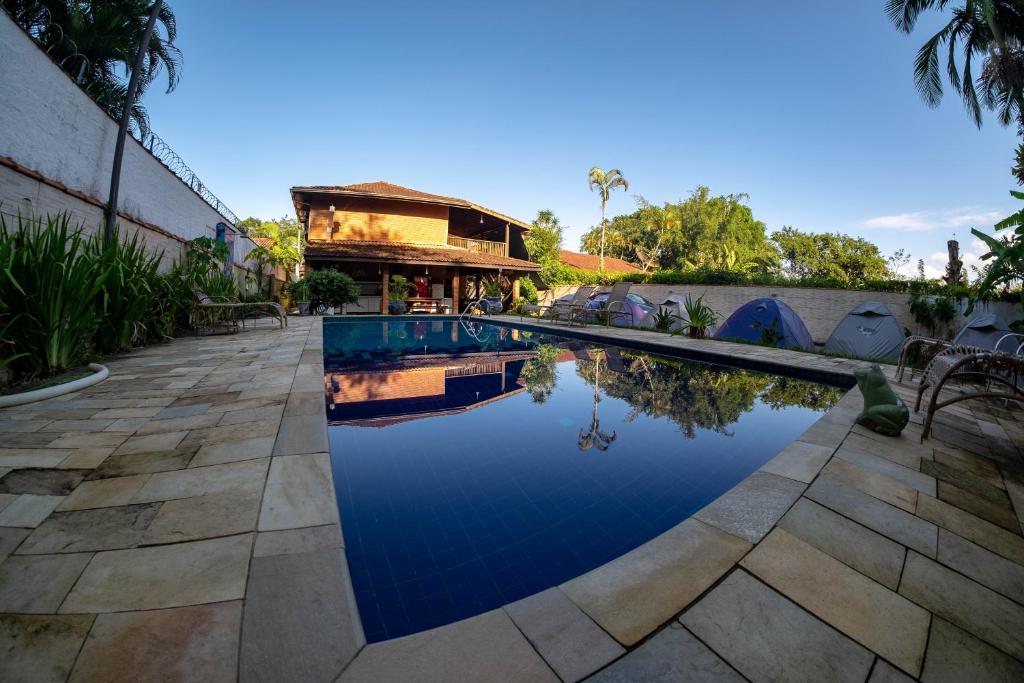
[475,466]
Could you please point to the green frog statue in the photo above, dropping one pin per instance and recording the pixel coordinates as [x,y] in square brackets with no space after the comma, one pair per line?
[884,412]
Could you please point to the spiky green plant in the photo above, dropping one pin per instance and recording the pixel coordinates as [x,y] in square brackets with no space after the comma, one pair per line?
[126,275]
[48,286]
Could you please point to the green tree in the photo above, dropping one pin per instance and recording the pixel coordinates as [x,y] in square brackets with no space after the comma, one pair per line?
[285,234]
[1006,256]
[829,255]
[700,232]
[544,241]
[96,42]
[605,182]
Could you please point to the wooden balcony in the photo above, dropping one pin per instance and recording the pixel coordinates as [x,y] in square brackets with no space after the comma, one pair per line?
[481,246]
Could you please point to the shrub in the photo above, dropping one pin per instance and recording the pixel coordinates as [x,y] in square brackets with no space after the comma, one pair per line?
[528,290]
[329,287]
[127,278]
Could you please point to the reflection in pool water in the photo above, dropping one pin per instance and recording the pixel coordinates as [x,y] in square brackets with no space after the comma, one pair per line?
[477,465]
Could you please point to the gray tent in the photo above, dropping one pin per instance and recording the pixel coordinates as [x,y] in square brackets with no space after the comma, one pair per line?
[985,330]
[869,330]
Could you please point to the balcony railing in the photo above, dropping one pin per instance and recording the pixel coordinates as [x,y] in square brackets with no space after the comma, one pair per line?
[482,246]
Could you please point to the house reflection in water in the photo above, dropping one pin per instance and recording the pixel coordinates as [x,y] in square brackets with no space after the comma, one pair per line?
[417,387]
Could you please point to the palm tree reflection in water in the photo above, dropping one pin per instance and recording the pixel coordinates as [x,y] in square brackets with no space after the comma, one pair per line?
[595,438]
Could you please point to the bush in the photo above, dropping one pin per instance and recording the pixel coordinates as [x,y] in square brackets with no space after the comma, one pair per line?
[329,287]
[528,290]
[128,289]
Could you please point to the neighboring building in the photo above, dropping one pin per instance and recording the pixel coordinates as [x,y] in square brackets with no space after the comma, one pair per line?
[591,262]
[445,246]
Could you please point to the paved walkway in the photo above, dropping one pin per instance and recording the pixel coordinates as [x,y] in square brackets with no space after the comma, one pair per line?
[177,522]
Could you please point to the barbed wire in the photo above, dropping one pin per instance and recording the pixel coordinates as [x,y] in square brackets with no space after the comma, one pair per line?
[163,152]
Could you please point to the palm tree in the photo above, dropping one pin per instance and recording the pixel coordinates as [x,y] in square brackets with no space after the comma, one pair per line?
[989,29]
[605,182]
[96,43]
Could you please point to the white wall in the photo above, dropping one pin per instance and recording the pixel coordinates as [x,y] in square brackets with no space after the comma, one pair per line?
[50,126]
[820,309]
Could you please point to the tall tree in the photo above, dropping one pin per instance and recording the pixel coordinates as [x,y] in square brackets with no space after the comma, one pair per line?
[828,255]
[544,241]
[990,30]
[285,235]
[605,182]
[96,42]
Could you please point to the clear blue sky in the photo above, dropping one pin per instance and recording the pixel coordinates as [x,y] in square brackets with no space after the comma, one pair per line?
[808,106]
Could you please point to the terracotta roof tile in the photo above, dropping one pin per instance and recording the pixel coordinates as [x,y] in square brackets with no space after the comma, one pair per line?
[400,252]
[265,242]
[590,262]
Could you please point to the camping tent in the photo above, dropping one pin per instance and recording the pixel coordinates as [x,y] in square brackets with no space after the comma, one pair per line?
[985,330]
[869,330]
[767,321]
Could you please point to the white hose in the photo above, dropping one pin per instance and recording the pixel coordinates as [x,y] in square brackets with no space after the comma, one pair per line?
[100,373]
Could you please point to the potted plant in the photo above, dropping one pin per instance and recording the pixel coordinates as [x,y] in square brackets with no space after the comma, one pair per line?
[699,317]
[399,289]
[299,293]
[492,295]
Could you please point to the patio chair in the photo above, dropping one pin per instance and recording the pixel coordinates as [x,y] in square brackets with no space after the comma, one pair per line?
[617,306]
[971,363]
[210,306]
[562,310]
[929,344]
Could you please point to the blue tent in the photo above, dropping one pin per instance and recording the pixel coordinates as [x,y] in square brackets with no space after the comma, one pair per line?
[767,321]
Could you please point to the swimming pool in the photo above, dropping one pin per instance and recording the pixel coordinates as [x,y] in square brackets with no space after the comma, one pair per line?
[476,465]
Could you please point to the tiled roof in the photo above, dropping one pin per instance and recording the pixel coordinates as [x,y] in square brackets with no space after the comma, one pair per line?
[386,190]
[265,242]
[591,262]
[401,252]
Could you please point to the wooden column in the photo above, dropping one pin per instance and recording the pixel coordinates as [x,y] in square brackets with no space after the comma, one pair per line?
[385,282]
[506,239]
[515,288]
[456,286]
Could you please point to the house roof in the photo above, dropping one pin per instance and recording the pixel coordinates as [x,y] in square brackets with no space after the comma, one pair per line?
[385,190]
[401,252]
[591,262]
[265,242]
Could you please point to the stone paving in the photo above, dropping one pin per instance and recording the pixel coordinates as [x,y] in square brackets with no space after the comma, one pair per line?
[177,522]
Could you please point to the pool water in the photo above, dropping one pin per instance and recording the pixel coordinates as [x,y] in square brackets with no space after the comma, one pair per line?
[477,465]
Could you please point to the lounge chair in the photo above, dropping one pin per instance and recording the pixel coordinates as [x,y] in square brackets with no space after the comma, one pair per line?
[209,310]
[968,362]
[929,344]
[616,306]
[562,310]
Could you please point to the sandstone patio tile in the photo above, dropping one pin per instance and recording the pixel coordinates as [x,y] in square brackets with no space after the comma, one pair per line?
[301,434]
[208,516]
[182,644]
[1000,514]
[884,672]
[91,425]
[487,647]
[107,528]
[854,545]
[955,656]
[127,425]
[969,605]
[872,483]
[911,477]
[1016,493]
[227,433]
[28,511]
[246,476]
[37,584]
[119,413]
[177,424]
[9,426]
[299,493]
[40,648]
[768,638]
[887,520]
[571,644]
[290,541]
[987,486]
[952,459]
[42,482]
[151,442]
[305,403]
[751,508]
[33,457]
[799,460]
[866,611]
[823,433]
[270,413]
[99,439]
[301,620]
[635,593]
[900,450]
[233,451]
[7,498]
[11,538]
[104,492]
[236,405]
[985,534]
[164,576]
[211,400]
[176,411]
[673,655]
[123,465]
[86,458]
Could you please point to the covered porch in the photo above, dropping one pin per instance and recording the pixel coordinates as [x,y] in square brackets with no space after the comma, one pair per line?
[443,280]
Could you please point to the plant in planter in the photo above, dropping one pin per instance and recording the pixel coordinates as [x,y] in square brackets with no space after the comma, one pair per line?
[399,289]
[298,291]
[664,319]
[699,317]
[329,288]
[492,294]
